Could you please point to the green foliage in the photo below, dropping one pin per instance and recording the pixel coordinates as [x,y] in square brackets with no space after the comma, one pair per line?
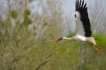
[101,40]
[15,42]
[27,20]
[27,12]
[14,14]
[30,0]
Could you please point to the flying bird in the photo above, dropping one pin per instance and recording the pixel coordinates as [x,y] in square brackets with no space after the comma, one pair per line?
[83,26]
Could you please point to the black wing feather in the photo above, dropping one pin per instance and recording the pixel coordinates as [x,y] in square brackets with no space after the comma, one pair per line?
[82,4]
[82,9]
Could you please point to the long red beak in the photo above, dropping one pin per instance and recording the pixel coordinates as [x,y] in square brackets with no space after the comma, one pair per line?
[59,39]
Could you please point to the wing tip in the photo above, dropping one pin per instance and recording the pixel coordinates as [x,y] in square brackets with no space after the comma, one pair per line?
[80,4]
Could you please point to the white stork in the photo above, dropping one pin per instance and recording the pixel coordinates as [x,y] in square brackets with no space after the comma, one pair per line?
[82,26]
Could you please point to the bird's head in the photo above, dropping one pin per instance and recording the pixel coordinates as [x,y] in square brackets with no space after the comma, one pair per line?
[59,39]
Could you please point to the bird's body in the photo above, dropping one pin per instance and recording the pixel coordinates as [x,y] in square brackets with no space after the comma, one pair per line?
[76,38]
[83,26]
[80,38]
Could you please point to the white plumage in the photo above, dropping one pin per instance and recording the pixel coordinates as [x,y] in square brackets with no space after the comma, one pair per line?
[79,26]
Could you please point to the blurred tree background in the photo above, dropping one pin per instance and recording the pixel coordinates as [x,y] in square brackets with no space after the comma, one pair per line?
[26,28]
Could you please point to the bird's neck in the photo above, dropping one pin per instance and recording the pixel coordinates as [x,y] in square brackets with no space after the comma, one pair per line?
[66,38]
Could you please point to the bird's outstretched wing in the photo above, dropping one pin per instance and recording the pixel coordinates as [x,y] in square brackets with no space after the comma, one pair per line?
[82,19]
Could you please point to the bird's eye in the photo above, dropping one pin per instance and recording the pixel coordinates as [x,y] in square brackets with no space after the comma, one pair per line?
[75,15]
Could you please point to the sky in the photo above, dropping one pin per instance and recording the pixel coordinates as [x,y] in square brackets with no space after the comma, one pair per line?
[69,5]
